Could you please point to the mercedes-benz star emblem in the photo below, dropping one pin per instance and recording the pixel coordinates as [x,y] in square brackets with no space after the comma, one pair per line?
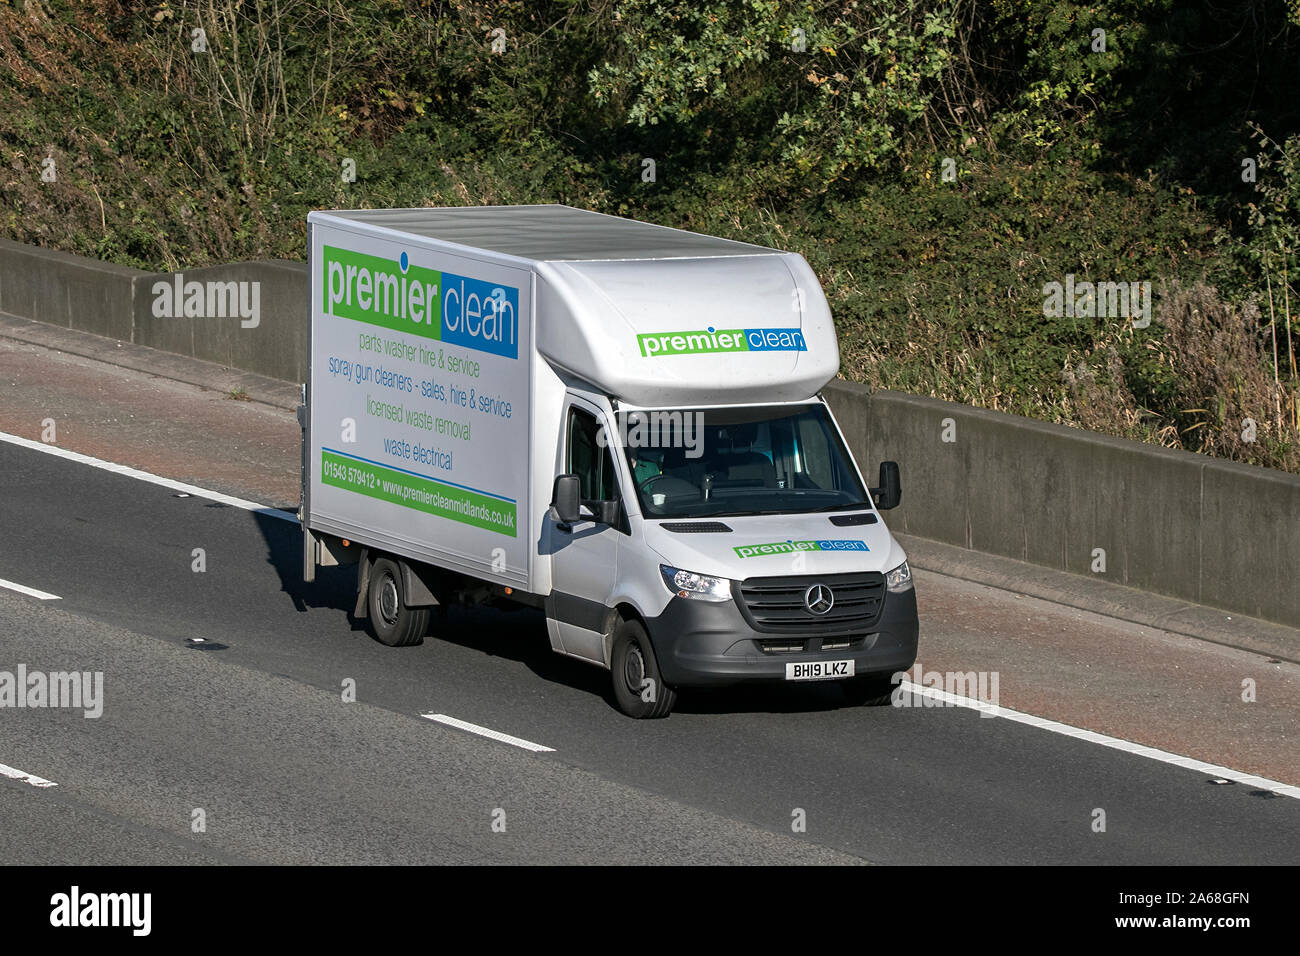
[818,599]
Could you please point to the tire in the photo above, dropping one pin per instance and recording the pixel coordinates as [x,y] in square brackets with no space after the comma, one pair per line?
[391,621]
[632,664]
[871,690]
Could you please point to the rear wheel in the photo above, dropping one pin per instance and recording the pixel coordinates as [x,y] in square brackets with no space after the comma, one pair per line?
[639,687]
[871,690]
[391,621]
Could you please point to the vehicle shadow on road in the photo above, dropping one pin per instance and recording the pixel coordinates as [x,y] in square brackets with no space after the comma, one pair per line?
[335,588]
[518,636]
[761,699]
[521,636]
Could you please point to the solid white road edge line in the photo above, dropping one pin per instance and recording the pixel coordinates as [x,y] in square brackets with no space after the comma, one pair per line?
[485,732]
[1115,743]
[146,476]
[22,777]
[30,592]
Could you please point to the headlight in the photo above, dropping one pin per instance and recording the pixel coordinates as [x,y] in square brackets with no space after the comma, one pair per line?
[899,579]
[688,584]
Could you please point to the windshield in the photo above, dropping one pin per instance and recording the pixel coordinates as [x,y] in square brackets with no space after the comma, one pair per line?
[714,462]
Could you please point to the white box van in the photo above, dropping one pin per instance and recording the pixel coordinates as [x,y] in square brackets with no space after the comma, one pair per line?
[614,422]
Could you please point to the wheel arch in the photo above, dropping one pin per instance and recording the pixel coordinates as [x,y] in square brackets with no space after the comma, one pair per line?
[620,612]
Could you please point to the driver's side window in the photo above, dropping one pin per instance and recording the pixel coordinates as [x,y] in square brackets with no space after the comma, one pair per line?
[585,458]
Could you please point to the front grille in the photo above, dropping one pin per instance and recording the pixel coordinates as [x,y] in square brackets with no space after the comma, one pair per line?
[776,604]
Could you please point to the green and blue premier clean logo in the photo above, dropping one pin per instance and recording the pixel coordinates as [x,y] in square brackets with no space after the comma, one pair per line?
[658,344]
[790,547]
[404,297]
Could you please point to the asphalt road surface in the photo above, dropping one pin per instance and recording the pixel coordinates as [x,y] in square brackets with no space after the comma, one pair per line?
[254,739]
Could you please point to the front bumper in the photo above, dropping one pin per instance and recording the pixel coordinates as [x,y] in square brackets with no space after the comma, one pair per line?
[701,644]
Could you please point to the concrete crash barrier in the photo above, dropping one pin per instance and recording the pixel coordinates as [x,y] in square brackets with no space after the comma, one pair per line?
[250,315]
[1173,522]
[66,290]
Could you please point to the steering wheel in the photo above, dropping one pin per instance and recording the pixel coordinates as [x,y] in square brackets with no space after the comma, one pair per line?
[644,486]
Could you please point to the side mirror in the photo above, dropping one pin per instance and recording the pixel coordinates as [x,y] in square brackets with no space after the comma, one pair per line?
[890,492]
[565,500]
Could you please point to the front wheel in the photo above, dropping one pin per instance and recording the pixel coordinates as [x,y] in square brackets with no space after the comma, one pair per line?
[391,621]
[639,687]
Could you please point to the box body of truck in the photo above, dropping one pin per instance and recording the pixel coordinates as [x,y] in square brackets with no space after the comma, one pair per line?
[615,422]
[420,410]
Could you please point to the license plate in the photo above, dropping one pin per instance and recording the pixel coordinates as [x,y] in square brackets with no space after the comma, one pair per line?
[819,670]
